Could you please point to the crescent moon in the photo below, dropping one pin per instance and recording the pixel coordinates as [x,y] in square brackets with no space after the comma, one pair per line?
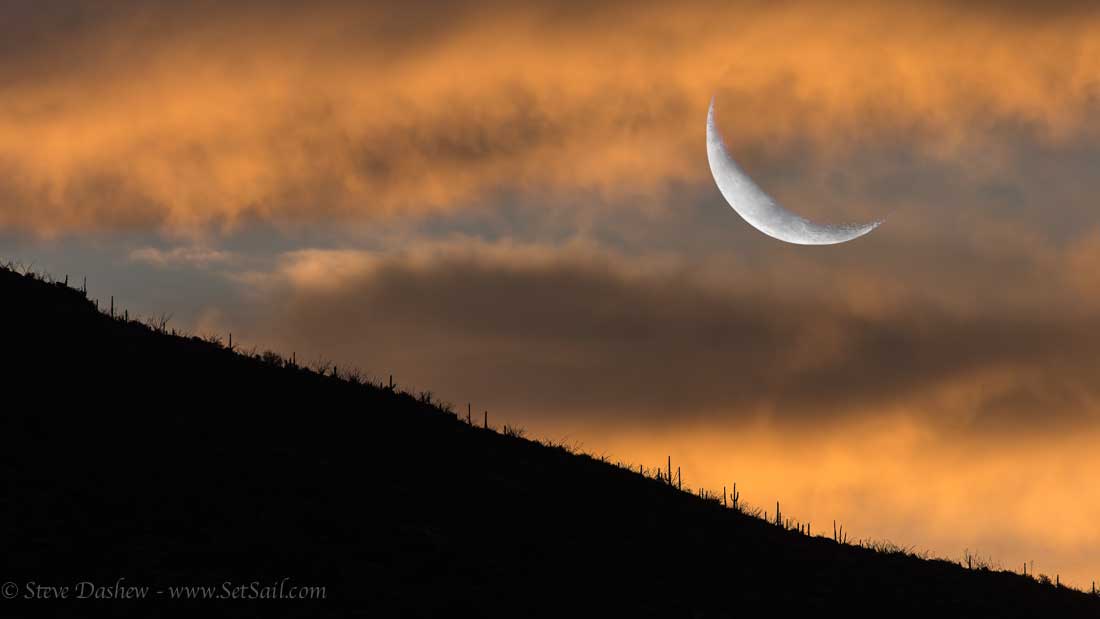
[760,210]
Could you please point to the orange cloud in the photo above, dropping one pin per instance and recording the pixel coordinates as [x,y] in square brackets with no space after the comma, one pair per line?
[194,120]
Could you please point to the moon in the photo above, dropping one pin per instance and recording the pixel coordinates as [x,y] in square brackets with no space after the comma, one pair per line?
[760,210]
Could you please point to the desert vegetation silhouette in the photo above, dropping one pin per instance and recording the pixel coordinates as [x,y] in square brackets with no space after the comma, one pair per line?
[133,449]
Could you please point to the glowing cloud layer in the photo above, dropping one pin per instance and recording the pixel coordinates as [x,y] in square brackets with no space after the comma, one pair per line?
[208,117]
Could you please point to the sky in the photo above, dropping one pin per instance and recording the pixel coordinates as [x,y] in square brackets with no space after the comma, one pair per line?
[509,204]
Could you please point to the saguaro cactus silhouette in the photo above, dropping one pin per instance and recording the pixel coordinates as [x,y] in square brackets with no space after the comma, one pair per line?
[839,536]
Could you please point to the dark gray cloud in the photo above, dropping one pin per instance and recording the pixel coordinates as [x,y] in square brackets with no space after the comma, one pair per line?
[575,337]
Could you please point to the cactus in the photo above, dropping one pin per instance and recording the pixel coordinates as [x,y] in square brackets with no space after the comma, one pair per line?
[839,536]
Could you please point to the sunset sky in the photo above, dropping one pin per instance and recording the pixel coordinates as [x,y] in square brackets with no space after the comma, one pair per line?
[510,205]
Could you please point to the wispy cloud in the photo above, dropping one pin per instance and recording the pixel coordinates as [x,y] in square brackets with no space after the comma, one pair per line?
[187,256]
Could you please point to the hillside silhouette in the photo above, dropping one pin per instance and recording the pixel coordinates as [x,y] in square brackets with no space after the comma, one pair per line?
[167,460]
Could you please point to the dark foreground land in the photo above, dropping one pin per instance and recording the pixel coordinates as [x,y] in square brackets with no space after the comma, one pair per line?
[170,461]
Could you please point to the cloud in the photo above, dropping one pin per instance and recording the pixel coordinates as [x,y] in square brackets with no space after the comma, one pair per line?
[581,332]
[193,256]
[205,117]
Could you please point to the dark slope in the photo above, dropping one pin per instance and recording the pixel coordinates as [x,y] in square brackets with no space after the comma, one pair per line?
[168,461]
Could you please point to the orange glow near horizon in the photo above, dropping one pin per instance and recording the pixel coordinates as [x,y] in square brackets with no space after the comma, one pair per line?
[1007,502]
